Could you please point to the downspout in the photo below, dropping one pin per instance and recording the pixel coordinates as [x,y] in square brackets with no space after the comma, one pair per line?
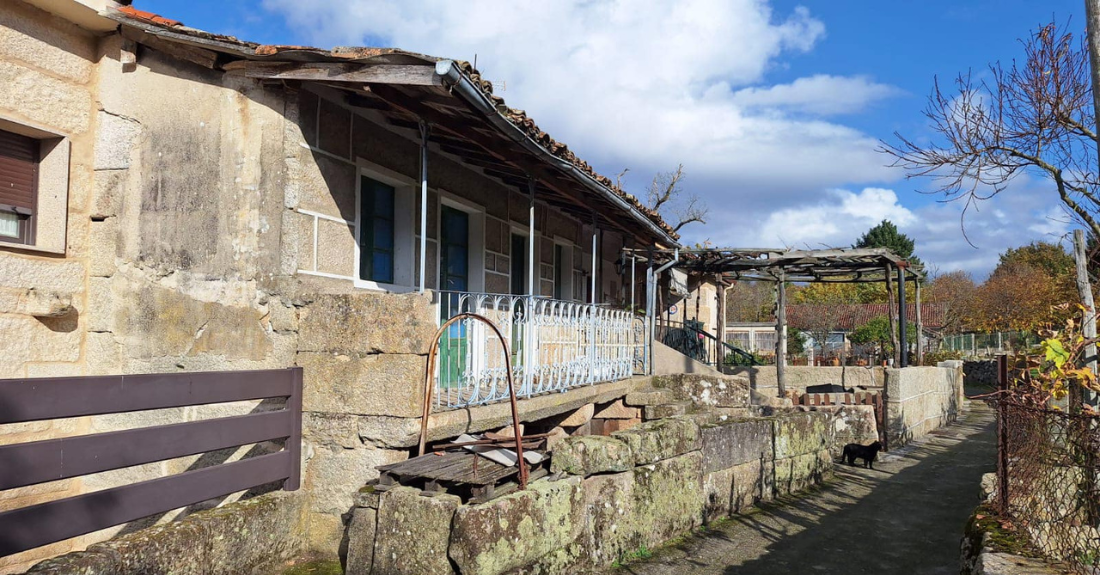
[458,81]
[653,275]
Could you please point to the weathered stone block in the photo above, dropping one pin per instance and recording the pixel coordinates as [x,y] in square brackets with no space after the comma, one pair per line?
[664,410]
[801,433]
[707,391]
[649,396]
[661,439]
[618,410]
[385,384]
[669,497]
[367,323]
[258,534]
[335,248]
[413,532]
[361,535]
[330,429]
[518,529]
[752,482]
[385,431]
[160,548]
[610,529]
[334,474]
[590,455]
[579,417]
[794,474]
[82,563]
[718,493]
[732,443]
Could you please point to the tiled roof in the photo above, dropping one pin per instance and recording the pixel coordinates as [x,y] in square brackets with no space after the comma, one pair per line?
[853,316]
[517,117]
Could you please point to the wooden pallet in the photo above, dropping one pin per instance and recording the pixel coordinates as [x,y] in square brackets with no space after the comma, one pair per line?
[468,475]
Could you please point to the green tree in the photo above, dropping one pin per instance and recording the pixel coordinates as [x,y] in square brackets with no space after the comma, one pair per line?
[877,332]
[886,235]
[1045,256]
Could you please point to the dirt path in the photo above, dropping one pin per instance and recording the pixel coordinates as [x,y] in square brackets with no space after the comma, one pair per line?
[906,516]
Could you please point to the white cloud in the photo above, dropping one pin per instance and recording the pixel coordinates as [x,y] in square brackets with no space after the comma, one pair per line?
[647,84]
[636,83]
[820,94]
[835,221]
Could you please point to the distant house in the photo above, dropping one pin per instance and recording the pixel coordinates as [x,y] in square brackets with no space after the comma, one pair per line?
[759,337]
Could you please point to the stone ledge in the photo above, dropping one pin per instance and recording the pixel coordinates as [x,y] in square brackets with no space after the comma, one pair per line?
[447,424]
[256,535]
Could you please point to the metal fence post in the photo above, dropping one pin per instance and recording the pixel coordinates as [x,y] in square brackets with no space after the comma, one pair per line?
[1002,434]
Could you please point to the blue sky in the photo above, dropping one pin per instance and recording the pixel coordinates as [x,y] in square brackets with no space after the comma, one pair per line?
[774,107]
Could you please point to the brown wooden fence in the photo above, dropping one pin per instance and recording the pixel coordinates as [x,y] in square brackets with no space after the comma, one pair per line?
[24,464]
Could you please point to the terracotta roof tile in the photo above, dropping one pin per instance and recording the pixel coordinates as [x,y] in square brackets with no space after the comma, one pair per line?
[853,316]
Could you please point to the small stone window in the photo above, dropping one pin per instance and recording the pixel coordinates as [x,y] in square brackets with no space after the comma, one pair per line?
[34,188]
[18,187]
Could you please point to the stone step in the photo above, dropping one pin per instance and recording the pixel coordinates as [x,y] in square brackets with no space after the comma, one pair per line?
[649,396]
[665,410]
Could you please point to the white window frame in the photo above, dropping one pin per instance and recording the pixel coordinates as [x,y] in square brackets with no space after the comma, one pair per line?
[52,211]
[567,267]
[521,230]
[476,264]
[404,227]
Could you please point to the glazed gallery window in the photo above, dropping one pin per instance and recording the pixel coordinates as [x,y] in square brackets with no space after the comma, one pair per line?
[376,235]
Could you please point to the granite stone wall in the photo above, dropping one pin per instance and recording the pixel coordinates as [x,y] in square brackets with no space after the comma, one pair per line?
[612,495]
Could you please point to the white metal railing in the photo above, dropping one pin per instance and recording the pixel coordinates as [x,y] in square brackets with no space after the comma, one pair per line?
[555,346]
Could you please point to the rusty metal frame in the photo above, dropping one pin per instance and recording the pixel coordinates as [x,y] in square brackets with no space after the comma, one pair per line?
[429,372]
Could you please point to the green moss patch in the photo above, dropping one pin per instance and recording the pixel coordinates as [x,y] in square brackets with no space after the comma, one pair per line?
[317,567]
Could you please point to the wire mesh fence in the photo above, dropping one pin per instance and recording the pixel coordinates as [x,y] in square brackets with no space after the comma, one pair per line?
[1048,475]
[988,344]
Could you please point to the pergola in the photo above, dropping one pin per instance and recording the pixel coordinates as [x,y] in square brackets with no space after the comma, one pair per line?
[781,266]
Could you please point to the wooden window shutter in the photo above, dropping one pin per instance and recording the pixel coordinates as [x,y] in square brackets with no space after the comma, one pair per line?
[18,173]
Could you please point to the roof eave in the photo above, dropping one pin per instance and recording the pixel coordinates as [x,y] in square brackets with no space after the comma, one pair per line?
[464,86]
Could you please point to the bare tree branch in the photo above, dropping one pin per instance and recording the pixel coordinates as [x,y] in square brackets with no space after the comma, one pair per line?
[1032,117]
[666,196]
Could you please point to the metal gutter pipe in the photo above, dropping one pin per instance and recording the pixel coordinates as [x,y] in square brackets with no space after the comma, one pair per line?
[453,76]
[651,304]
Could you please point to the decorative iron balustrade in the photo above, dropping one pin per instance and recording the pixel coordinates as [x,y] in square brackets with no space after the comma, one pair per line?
[555,346]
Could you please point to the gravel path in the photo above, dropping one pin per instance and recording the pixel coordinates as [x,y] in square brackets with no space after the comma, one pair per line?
[904,517]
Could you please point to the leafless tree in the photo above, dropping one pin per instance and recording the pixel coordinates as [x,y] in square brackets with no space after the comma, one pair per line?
[1032,117]
[665,192]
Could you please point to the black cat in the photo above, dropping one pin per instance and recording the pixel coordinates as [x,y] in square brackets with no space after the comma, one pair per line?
[867,453]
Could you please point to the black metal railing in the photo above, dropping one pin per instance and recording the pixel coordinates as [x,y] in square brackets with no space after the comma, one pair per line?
[690,339]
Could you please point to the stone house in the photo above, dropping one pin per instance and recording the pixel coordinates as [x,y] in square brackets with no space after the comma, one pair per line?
[175,200]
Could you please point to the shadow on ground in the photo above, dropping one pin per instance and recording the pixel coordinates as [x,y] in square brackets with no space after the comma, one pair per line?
[906,516]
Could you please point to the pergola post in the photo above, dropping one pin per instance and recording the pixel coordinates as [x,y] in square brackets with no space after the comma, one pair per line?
[920,326]
[903,320]
[720,328]
[781,335]
[891,311]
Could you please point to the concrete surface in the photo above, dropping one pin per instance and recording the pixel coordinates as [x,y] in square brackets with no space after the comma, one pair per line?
[905,516]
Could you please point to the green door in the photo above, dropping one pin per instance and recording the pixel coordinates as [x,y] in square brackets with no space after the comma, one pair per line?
[454,275]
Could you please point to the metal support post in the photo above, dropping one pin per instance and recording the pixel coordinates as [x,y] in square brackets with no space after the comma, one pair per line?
[425,130]
[903,320]
[529,333]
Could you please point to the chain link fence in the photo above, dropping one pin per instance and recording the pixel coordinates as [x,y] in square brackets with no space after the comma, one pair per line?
[1048,470]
